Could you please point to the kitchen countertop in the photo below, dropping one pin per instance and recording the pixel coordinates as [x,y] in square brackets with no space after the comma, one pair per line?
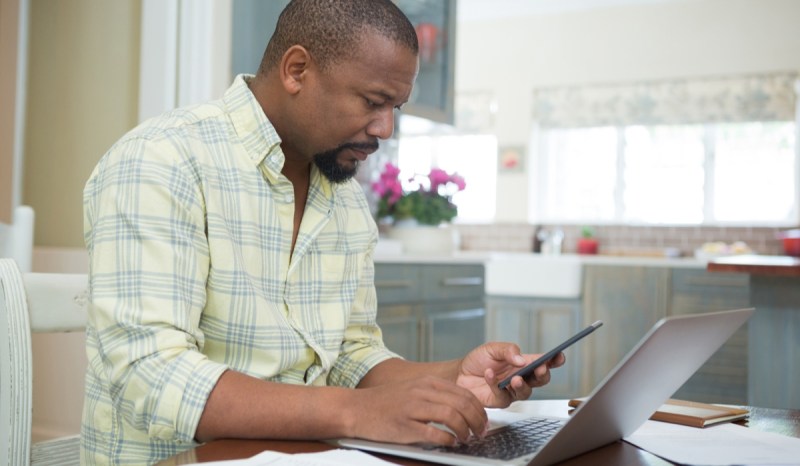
[482,257]
[784,266]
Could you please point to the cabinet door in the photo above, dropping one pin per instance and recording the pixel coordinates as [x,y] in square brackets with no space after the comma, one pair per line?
[629,300]
[723,378]
[507,320]
[551,322]
[451,330]
[400,326]
[435,23]
[537,325]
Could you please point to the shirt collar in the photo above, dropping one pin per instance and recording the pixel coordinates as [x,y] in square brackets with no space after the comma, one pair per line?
[255,131]
[258,136]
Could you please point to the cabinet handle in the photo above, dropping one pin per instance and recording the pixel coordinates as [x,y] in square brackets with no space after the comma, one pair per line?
[463,281]
[393,284]
[717,281]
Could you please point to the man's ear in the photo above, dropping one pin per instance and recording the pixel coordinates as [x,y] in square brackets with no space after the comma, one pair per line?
[294,68]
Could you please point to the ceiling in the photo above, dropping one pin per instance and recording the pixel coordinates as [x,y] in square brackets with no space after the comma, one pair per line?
[483,10]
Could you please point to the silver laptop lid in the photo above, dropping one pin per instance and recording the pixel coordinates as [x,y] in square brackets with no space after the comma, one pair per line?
[652,371]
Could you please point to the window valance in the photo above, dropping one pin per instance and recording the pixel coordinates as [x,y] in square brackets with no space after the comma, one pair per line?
[769,97]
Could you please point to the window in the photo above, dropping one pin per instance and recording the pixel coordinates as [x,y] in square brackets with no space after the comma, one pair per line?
[731,173]
[474,157]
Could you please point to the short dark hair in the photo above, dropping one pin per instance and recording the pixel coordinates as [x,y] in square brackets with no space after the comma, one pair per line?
[330,29]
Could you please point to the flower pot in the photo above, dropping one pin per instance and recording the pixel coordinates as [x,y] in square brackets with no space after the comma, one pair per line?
[425,239]
[791,242]
[587,246]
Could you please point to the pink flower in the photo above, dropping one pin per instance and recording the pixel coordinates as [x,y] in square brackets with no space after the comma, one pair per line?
[438,177]
[459,181]
[388,184]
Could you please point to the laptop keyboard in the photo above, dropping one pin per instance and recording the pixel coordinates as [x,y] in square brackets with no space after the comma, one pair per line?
[514,440]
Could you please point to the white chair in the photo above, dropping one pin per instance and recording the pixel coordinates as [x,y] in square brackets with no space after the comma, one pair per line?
[33,302]
[16,240]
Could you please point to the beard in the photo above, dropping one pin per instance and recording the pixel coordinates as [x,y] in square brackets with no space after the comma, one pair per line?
[328,162]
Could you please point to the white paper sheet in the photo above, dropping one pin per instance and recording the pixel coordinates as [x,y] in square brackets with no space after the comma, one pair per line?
[722,444]
[338,457]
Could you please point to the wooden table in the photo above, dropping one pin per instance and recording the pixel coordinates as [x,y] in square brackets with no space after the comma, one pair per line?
[776,266]
[779,421]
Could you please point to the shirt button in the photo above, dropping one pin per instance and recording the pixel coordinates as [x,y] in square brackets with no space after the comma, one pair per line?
[288,198]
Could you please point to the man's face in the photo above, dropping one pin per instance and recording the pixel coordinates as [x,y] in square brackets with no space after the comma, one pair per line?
[353,104]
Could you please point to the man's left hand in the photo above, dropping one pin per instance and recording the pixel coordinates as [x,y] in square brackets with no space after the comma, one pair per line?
[485,366]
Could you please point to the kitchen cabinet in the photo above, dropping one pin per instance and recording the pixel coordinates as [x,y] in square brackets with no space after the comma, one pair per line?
[774,346]
[723,378]
[433,93]
[537,325]
[434,20]
[431,312]
[629,300]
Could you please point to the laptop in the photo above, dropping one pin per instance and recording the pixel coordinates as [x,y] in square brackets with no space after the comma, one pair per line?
[651,372]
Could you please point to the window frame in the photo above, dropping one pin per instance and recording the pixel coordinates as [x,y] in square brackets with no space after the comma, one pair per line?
[539,185]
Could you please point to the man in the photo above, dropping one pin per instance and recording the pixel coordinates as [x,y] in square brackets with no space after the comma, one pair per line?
[231,262]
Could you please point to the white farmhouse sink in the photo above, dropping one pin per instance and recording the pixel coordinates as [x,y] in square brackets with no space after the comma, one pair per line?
[534,275]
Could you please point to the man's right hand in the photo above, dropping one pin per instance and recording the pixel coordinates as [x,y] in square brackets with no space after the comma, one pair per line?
[403,412]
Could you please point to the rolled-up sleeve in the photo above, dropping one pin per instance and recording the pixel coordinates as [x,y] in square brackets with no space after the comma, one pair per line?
[145,231]
[362,347]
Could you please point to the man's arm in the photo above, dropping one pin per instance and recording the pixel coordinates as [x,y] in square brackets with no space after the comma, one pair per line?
[241,406]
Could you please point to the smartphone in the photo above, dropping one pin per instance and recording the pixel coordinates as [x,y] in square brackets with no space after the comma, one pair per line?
[528,370]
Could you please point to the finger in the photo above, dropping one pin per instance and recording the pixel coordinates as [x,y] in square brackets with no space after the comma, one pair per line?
[521,388]
[513,356]
[436,436]
[504,396]
[461,424]
[541,376]
[557,361]
[453,406]
[507,352]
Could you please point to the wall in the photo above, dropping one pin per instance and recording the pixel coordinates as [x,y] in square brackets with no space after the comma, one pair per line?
[677,39]
[83,79]
[9,46]
[621,240]
[82,96]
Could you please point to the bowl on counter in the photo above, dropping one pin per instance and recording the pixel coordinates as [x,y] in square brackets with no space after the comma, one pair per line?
[791,242]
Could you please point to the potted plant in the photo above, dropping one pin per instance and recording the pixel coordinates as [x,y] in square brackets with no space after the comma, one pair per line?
[587,243]
[420,209]
[427,199]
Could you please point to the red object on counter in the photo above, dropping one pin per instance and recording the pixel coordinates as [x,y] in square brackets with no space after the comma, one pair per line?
[791,242]
[587,246]
[791,246]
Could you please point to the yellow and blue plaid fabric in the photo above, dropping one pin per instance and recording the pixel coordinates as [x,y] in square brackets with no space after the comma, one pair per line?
[188,222]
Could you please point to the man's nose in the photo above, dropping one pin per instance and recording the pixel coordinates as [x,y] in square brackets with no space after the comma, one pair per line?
[382,125]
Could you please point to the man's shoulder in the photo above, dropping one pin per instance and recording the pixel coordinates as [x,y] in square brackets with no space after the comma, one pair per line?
[183,121]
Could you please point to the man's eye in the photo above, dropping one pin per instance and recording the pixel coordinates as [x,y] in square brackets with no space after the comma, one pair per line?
[371,103]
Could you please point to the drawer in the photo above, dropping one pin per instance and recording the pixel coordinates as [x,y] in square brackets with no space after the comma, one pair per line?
[463,281]
[397,283]
[701,281]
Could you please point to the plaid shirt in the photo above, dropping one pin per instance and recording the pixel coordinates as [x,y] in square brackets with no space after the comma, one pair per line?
[188,222]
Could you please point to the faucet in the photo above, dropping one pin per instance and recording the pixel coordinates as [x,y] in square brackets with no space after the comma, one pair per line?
[550,241]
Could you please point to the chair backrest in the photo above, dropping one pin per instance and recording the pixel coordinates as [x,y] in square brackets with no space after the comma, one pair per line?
[16,240]
[32,302]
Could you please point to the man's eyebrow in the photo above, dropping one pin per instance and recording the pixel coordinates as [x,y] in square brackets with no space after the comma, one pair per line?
[384,95]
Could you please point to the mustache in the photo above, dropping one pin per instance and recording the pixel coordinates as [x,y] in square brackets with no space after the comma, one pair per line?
[359,146]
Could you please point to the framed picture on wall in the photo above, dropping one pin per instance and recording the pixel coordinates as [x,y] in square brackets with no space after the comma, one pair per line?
[511,159]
